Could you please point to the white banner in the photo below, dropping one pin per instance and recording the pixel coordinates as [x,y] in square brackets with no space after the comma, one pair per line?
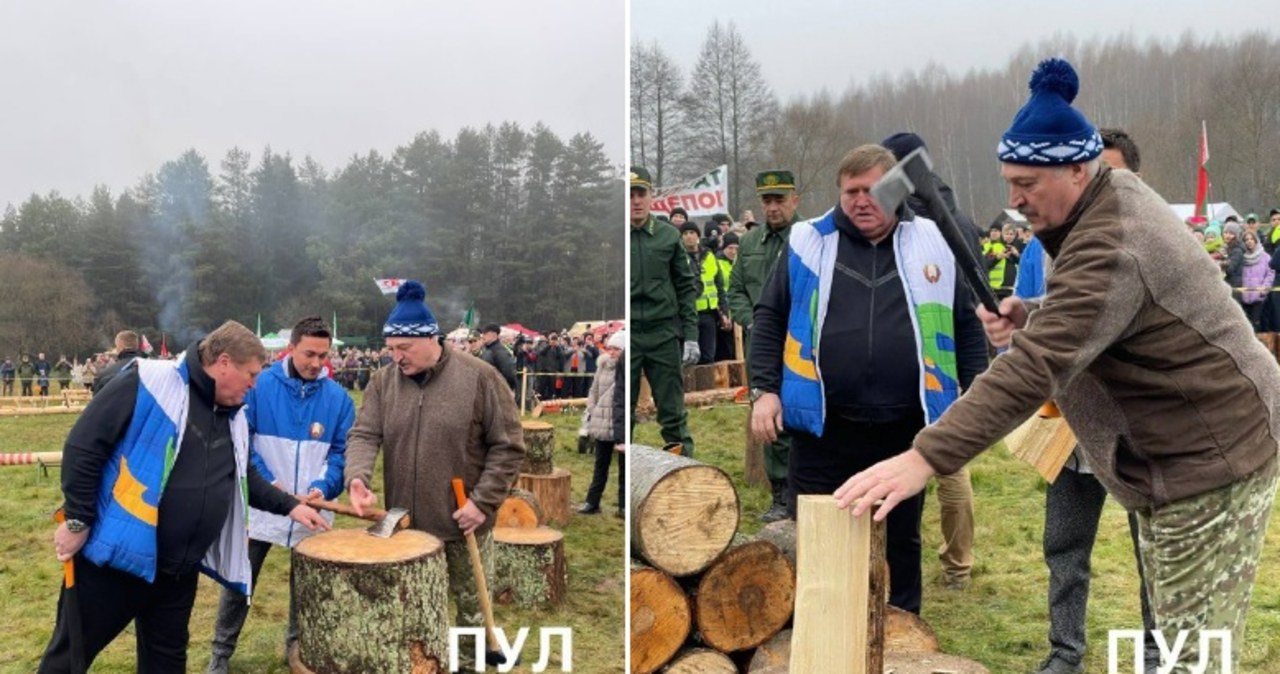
[703,197]
[389,286]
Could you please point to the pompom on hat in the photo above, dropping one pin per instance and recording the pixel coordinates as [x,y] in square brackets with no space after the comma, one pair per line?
[411,317]
[618,340]
[1047,131]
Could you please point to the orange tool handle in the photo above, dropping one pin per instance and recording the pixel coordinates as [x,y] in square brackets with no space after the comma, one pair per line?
[68,567]
[459,492]
[1049,410]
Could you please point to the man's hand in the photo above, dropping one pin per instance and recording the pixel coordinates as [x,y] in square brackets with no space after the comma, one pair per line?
[691,353]
[313,495]
[766,417]
[67,544]
[307,516]
[361,497]
[893,480]
[1000,329]
[468,517]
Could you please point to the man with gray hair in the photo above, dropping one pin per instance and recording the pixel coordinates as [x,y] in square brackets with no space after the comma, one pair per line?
[126,350]
[1170,395]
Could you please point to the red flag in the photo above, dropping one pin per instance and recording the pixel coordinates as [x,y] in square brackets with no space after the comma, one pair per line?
[389,286]
[164,347]
[146,346]
[1202,176]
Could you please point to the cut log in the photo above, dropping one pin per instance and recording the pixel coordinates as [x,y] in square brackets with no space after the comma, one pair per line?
[782,534]
[700,378]
[540,447]
[1044,441]
[701,661]
[930,663]
[683,513]
[660,618]
[520,510]
[840,584]
[715,396]
[745,597]
[774,655]
[906,632]
[552,493]
[529,567]
[371,604]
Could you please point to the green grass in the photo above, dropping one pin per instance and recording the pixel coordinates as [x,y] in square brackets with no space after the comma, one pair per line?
[30,575]
[1001,620]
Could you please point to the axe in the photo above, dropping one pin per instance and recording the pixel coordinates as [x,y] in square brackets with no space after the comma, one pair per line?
[914,175]
[385,522]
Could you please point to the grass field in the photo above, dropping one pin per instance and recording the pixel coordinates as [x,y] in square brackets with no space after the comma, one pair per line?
[1001,620]
[30,575]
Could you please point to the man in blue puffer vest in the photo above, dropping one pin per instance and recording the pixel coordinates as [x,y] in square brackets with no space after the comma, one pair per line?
[298,422]
[158,484]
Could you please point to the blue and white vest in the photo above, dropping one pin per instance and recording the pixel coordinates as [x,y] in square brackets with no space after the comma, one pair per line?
[927,269]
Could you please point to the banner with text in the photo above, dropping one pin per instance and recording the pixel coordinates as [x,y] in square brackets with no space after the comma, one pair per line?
[700,198]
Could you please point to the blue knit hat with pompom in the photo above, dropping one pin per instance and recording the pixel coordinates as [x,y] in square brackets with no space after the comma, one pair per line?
[411,317]
[1047,131]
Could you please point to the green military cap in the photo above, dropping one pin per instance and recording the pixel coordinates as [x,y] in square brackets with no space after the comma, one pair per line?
[775,182]
[640,178]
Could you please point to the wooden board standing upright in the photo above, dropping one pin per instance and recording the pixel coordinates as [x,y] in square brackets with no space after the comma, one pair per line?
[369,604]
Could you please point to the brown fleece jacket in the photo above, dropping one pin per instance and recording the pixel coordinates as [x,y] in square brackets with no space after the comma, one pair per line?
[461,422]
[1156,369]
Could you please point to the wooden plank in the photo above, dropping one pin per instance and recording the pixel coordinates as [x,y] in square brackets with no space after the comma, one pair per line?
[840,582]
[1044,441]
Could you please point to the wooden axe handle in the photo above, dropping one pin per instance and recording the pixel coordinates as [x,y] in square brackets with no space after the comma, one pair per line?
[371,514]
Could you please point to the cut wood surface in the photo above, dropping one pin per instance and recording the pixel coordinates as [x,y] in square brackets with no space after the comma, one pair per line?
[930,663]
[745,597]
[371,604]
[906,632]
[1043,442]
[529,567]
[773,655]
[660,618]
[521,510]
[701,661]
[840,583]
[683,513]
[540,447]
[552,493]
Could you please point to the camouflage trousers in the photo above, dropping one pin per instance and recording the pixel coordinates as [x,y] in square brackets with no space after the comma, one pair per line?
[462,580]
[1200,557]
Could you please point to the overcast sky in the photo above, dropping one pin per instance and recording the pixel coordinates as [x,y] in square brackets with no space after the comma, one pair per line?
[806,45]
[104,91]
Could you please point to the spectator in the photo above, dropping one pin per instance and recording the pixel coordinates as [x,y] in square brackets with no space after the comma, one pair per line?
[43,370]
[7,374]
[1257,278]
[26,374]
[126,350]
[605,423]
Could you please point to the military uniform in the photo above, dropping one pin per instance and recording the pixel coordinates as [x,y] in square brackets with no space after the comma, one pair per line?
[758,254]
[662,318]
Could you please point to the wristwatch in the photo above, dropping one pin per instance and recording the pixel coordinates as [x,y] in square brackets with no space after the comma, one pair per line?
[76,526]
[756,393]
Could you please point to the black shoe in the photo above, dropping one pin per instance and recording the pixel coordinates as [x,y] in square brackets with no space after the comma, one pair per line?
[776,512]
[588,509]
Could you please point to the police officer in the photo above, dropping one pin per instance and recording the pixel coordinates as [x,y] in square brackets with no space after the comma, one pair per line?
[758,252]
[664,322]
[702,262]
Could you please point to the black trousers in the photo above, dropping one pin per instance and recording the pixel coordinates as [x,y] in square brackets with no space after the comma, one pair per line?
[109,600]
[600,474]
[707,329]
[820,465]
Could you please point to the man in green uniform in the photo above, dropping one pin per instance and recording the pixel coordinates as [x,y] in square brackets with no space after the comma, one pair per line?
[664,323]
[758,252]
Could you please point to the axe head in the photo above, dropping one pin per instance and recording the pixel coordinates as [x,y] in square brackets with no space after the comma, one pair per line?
[394,520]
[901,181]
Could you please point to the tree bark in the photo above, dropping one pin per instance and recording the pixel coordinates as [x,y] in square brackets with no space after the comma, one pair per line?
[782,534]
[701,661]
[660,618]
[754,472]
[683,513]
[540,447]
[775,654]
[520,510]
[552,493]
[745,597]
[371,604]
[529,568]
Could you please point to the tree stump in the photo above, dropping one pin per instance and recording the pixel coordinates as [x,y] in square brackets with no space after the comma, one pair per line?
[701,661]
[368,604]
[683,513]
[552,493]
[660,618]
[520,510]
[540,447]
[529,568]
[699,378]
[775,654]
[906,632]
[745,597]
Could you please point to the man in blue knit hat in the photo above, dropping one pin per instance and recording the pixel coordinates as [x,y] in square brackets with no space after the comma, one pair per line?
[439,414]
[1160,376]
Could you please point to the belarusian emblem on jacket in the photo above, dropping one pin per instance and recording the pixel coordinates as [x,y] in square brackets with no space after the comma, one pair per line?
[932,273]
[317,430]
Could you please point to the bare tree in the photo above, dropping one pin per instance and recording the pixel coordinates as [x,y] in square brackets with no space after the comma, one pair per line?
[656,83]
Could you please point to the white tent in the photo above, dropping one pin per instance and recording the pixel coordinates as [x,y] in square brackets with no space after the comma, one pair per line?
[1218,211]
[276,340]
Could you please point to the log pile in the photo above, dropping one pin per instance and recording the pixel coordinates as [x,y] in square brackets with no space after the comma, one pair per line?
[539,476]
[707,599]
